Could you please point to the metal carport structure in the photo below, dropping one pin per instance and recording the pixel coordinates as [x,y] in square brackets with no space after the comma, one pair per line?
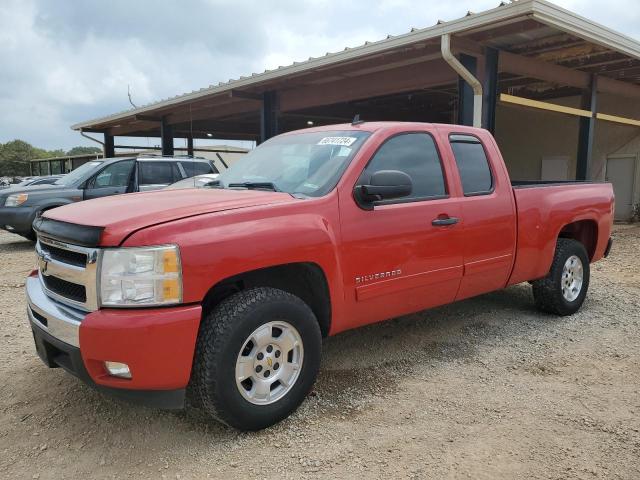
[526,54]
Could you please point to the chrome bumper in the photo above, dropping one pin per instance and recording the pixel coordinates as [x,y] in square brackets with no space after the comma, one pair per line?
[57,320]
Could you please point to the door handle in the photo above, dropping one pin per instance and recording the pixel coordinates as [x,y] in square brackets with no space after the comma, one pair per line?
[443,222]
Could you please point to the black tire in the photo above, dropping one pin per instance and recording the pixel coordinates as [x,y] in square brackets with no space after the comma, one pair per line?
[223,332]
[547,292]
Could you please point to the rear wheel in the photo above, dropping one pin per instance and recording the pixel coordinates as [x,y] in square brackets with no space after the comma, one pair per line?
[564,289]
[257,357]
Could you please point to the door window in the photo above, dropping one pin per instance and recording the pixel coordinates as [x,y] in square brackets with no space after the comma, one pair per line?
[473,165]
[197,168]
[157,173]
[114,175]
[416,155]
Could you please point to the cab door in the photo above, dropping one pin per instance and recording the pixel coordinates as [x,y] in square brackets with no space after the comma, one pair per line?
[114,179]
[403,255]
[488,210]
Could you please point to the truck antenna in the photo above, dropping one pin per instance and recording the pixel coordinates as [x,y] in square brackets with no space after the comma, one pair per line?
[356,120]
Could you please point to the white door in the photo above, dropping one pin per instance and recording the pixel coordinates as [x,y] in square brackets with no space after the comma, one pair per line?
[554,168]
[621,172]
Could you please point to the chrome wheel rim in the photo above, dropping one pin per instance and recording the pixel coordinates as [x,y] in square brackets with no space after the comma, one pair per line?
[572,278]
[269,362]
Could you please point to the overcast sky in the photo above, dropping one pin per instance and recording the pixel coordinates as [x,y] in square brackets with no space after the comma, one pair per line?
[63,62]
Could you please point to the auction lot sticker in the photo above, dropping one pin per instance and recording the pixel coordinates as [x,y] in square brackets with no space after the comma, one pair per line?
[344,141]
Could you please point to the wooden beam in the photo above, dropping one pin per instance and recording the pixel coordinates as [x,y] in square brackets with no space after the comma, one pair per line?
[464,45]
[245,95]
[547,44]
[525,102]
[219,126]
[126,128]
[225,135]
[148,118]
[575,52]
[614,118]
[370,64]
[215,111]
[533,68]
[492,33]
[404,79]
[550,72]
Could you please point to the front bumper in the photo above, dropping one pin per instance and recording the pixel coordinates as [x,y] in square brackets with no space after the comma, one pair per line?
[17,219]
[157,344]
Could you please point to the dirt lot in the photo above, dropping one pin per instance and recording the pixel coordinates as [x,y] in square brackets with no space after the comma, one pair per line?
[487,388]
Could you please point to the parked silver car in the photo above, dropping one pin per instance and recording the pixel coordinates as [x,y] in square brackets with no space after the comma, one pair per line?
[20,205]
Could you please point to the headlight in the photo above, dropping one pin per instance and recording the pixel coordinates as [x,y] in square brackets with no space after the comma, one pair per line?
[144,276]
[16,199]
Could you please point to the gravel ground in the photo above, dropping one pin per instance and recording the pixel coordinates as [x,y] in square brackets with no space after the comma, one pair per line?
[486,388]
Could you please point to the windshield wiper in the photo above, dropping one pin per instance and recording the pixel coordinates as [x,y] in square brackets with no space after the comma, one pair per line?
[255,186]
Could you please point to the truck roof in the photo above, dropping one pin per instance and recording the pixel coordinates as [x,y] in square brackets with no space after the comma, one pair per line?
[376,126]
[154,158]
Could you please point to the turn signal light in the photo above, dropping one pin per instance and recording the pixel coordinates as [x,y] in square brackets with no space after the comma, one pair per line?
[117,369]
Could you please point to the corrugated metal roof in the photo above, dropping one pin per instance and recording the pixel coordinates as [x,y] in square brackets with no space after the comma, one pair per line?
[540,10]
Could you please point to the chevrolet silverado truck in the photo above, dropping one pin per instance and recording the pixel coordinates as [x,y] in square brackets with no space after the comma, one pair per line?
[21,204]
[219,298]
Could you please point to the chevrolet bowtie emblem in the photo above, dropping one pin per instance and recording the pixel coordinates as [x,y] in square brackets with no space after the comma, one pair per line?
[269,361]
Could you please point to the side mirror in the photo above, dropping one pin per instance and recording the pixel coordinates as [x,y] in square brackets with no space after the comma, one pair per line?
[384,185]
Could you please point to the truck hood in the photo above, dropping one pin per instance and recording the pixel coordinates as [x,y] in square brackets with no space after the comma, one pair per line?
[121,215]
[30,189]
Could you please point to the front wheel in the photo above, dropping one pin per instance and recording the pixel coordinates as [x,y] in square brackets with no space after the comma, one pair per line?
[564,289]
[257,357]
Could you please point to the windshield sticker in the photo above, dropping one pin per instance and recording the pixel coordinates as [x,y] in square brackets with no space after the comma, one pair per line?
[343,141]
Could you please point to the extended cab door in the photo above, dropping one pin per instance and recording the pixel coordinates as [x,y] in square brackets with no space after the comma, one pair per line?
[113,179]
[402,255]
[487,210]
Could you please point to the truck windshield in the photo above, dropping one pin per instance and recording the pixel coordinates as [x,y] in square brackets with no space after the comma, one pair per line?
[77,174]
[305,163]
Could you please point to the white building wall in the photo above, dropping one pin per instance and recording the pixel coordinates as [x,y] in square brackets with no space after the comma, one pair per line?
[526,135]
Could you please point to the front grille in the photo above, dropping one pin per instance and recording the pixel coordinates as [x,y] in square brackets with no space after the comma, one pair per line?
[69,272]
[67,256]
[72,291]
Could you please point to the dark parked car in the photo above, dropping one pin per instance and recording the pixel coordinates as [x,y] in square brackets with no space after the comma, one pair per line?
[33,181]
[19,205]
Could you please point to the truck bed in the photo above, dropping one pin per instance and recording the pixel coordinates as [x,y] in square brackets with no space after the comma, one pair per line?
[546,209]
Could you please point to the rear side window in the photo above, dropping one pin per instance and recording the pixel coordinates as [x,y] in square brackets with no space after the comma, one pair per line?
[416,155]
[197,168]
[157,173]
[473,165]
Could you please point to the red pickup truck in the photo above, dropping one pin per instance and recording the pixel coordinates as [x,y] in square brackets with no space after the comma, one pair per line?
[220,297]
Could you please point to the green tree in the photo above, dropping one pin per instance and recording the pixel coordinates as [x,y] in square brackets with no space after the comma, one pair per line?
[15,156]
[84,150]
